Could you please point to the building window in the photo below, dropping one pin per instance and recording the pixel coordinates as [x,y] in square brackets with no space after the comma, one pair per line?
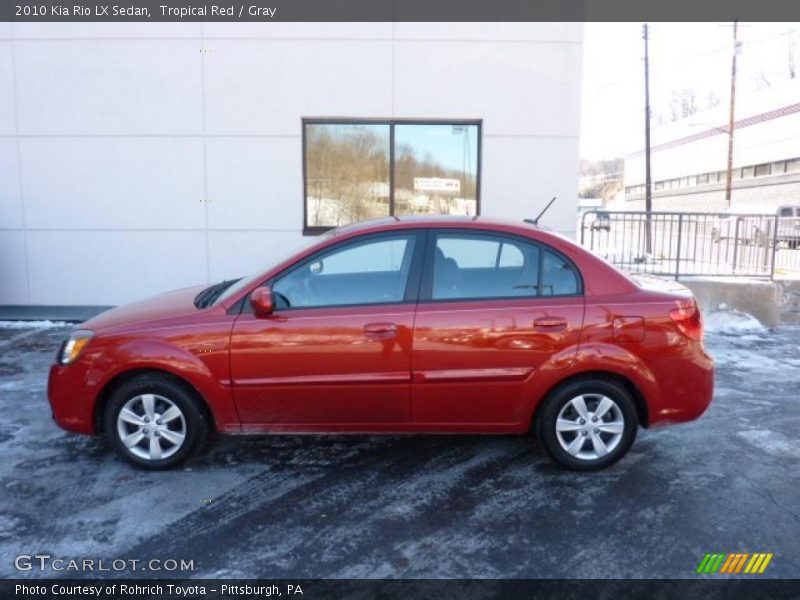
[761,170]
[364,169]
[747,172]
[793,165]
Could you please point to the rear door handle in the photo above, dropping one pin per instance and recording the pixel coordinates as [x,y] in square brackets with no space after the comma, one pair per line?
[550,323]
[378,331]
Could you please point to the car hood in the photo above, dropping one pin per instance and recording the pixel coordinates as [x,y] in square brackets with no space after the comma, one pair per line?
[148,311]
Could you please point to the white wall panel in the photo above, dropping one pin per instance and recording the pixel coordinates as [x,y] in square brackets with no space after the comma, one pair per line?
[7,125]
[500,32]
[521,175]
[286,30]
[54,30]
[240,253]
[110,182]
[14,289]
[10,205]
[263,87]
[518,89]
[255,183]
[109,87]
[112,267]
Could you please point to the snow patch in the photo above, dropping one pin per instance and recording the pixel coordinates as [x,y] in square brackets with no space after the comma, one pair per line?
[33,324]
[772,442]
[732,322]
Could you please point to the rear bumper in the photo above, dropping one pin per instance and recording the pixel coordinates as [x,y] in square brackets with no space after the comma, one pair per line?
[71,400]
[688,392]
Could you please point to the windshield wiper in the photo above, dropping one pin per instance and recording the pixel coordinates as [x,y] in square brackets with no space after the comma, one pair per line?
[207,297]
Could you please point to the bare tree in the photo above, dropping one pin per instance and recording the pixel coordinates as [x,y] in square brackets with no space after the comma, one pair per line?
[683,104]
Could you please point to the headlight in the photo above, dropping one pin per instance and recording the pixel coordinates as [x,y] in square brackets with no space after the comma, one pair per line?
[73,346]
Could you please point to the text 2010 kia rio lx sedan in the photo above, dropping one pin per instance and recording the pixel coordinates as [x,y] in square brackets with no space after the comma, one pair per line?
[445,325]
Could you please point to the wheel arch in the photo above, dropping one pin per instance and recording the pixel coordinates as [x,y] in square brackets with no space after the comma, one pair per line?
[120,378]
[639,400]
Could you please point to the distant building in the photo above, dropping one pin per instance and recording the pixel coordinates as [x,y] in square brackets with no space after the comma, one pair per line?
[689,158]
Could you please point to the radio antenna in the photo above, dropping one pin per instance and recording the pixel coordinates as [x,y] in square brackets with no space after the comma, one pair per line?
[539,216]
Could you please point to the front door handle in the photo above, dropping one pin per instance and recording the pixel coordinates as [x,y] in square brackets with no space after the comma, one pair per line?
[379,331]
[550,324]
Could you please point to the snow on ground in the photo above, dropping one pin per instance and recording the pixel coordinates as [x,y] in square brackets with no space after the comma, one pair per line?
[33,324]
[732,322]
[418,506]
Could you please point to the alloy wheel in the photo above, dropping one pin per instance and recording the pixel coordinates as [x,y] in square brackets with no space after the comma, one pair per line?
[590,426]
[151,427]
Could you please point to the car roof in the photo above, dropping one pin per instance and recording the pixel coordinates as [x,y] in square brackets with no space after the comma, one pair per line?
[406,221]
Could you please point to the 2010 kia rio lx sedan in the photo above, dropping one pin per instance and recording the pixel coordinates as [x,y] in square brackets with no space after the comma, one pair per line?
[446,325]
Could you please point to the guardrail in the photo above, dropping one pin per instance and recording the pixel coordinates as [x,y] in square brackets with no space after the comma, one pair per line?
[683,244]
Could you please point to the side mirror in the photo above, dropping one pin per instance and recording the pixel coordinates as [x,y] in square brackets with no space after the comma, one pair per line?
[261,301]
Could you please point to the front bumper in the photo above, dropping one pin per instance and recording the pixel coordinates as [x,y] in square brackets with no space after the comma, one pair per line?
[71,399]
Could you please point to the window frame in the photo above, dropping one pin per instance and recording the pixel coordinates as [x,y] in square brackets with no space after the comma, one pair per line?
[410,294]
[391,123]
[426,280]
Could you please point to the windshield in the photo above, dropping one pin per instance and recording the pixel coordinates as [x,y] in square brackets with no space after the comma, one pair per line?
[252,279]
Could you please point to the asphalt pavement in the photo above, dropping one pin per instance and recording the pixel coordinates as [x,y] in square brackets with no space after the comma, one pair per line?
[415,506]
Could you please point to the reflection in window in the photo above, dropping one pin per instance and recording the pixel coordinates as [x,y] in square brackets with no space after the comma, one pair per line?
[558,278]
[374,271]
[347,173]
[484,266]
[435,169]
[348,166]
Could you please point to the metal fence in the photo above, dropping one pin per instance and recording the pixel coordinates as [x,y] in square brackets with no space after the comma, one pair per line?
[684,244]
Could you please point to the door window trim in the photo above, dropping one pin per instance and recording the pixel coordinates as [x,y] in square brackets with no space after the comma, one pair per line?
[410,294]
[426,287]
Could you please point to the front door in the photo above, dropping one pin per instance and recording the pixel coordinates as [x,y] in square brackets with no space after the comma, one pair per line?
[494,310]
[337,349]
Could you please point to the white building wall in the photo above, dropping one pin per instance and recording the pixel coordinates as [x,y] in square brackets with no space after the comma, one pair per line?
[137,158]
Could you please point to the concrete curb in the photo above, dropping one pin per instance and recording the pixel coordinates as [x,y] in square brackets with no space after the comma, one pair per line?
[762,299]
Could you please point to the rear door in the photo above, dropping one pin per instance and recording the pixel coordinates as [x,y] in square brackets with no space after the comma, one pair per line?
[494,309]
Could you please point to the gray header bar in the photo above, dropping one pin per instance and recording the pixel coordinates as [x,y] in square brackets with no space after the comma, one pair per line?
[396,10]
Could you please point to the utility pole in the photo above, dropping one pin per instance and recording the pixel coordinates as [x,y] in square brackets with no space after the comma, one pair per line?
[731,121]
[648,183]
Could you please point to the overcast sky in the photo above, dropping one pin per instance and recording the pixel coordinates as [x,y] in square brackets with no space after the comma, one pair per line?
[693,56]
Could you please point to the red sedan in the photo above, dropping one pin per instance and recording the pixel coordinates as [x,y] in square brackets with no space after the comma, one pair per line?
[442,325]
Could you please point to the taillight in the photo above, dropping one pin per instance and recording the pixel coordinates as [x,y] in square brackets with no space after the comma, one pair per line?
[688,319]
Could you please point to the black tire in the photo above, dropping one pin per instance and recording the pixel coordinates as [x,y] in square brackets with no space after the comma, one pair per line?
[558,399]
[193,422]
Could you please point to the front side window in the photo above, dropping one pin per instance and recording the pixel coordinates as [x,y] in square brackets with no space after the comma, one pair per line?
[361,170]
[373,271]
[469,266]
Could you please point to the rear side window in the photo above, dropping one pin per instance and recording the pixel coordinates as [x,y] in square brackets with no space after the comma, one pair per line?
[558,276]
[474,266]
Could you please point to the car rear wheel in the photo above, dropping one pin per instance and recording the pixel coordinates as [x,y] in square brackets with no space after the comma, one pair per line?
[588,424]
[154,423]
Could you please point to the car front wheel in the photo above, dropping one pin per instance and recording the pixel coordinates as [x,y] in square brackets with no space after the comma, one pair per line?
[587,425]
[154,422]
